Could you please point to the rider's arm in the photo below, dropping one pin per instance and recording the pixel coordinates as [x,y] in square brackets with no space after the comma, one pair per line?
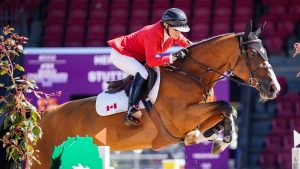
[183,41]
[151,52]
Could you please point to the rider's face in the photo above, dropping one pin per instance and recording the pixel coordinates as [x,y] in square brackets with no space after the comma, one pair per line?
[174,34]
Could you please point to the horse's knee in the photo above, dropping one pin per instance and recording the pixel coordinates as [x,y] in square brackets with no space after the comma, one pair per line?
[228,109]
[224,105]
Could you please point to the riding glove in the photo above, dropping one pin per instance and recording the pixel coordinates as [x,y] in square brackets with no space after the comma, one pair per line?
[179,54]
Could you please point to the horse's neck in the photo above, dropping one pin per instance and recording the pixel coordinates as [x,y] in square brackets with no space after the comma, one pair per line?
[218,54]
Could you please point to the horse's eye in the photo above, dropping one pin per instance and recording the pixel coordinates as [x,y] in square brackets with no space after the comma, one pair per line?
[252,53]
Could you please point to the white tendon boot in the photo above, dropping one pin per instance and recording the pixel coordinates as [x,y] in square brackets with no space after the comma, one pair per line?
[195,137]
[219,145]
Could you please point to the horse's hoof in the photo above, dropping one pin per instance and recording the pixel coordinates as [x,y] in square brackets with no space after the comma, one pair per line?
[219,146]
[191,137]
[137,114]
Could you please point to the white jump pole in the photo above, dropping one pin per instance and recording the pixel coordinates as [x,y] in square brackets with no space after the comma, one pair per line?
[104,153]
[296,151]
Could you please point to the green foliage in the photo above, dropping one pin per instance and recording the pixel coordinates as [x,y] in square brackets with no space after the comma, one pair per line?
[21,116]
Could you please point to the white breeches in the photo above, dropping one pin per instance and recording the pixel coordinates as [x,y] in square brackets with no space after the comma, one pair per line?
[128,64]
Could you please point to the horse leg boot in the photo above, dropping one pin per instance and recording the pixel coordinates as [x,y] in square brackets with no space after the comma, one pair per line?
[133,114]
[229,132]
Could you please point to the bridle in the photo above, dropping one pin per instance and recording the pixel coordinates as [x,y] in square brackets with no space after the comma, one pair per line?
[252,81]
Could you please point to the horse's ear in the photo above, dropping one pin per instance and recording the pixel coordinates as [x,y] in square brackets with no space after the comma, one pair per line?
[259,30]
[248,30]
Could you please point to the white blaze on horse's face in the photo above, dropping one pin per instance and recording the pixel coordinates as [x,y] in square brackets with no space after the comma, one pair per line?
[264,76]
[275,86]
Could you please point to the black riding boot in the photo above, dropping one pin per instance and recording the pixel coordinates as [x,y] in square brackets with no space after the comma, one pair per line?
[134,98]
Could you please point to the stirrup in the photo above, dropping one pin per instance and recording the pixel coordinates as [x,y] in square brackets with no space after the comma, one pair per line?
[130,118]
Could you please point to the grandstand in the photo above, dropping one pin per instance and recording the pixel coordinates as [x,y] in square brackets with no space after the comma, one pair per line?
[90,23]
[265,138]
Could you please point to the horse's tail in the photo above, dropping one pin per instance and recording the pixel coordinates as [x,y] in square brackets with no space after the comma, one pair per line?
[6,164]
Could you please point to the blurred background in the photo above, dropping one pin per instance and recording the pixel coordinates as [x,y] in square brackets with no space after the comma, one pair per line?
[264,129]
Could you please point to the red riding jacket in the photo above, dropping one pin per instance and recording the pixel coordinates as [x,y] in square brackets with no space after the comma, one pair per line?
[146,43]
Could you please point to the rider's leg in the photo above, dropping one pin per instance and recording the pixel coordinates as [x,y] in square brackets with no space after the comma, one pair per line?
[134,98]
[133,67]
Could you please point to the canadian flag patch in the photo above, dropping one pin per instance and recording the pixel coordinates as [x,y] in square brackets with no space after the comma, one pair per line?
[109,107]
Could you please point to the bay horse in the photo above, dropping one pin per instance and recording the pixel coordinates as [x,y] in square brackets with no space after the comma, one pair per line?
[181,106]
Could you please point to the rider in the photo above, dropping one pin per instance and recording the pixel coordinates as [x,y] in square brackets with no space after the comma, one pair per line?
[129,52]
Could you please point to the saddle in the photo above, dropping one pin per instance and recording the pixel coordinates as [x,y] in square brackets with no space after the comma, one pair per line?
[125,84]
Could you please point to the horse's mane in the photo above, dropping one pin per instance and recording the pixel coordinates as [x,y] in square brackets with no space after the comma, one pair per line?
[212,38]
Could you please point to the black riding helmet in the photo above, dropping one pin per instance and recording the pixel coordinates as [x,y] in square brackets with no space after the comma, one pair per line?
[176,19]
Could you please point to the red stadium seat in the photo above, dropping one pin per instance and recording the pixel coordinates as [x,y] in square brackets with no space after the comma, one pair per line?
[57,5]
[220,28]
[158,8]
[297,107]
[98,14]
[248,3]
[52,40]
[280,124]
[274,45]
[78,13]
[277,10]
[32,4]
[239,24]
[274,141]
[97,21]
[243,11]
[285,159]
[75,21]
[287,26]
[222,11]
[75,29]
[78,5]
[294,123]
[56,29]
[183,5]
[96,29]
[223,3]
[268,160]
[72,40]
[141,13]
[285,107]
[119,4]
[136,24]
[202,4]
[95,43]
[99,5]
[288,141]
[221,19]
[56,14]
[199,31]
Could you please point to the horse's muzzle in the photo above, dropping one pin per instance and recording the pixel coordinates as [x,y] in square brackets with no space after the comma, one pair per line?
[269,90]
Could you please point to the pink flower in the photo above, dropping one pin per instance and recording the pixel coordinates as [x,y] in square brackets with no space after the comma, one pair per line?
[297,49]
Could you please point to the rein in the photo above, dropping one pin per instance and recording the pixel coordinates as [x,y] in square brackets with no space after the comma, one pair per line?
[252,81]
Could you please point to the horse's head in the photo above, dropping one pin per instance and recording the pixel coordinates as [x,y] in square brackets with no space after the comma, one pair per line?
[252,65]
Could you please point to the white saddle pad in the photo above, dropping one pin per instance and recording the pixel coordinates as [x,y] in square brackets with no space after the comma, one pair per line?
[108,104]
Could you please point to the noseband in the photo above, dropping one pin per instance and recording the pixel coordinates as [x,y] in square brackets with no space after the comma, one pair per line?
[252,81]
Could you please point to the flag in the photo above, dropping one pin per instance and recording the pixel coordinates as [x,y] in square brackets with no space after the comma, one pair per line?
[109,107]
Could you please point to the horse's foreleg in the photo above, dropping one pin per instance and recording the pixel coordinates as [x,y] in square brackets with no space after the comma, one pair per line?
[210,122]
[229,132]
